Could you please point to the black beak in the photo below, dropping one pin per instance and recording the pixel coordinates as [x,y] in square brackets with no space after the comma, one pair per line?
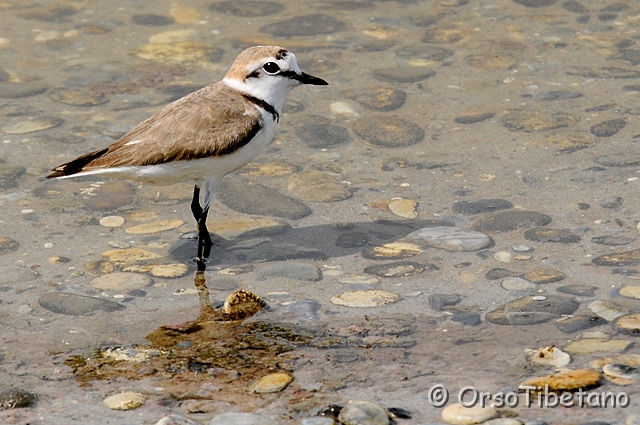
[310,79]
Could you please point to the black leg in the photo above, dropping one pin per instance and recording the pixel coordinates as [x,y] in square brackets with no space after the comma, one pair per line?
[204,238]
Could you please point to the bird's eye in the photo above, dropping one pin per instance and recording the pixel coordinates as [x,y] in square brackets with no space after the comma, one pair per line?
[271,68]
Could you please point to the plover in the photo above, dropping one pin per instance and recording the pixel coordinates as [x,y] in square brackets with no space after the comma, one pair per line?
[204,135]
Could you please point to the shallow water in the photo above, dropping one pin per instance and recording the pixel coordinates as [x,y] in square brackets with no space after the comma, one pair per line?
[532,102]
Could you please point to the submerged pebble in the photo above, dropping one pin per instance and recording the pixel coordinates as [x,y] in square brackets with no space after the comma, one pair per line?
[450,238]
[125,400]
[388,131]
[241,418]
[458,414]
[365,298]
[361,412]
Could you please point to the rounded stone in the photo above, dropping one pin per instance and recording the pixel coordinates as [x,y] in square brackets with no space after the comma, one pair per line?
[317,186]
[631,291]
[503,256]
[125,400]
[361,412]
[457,414]
[382,99]
[111,195]
[352,239]
[608,128]
[272,383]
[405,208]
[16,399]
[76,305]
[388,131]
[493,62]
[155,227]
[628,324]
[246,226]
[77,97]
[248,8]
[474,118]
[512,283]
[17,91]
[365,298]
[619,259]
[292,270]
[423,53]
[612,240]
[532,121]
[111,221]
[624,159]
[322,136]
[532,310]
[578,289]
[543,276]
[450,238]
[399,269]
[596,345]
[254,198]
[180,53]
[535,3]
[623,371]
[8,245]
[506,221]
[553,95]
[392,251]
[130,255]
[568,380]
[544,234]
[403,74]
[241,418]
[169,271]
[607,309]
[305,25]
[121,281]
[31,125]
[481,206]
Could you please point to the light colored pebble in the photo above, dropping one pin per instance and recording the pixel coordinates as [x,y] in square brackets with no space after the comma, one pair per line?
[318,420]
[131,255]
[155,227]
[121,281]
[365,298]
[343,108]
[405,208]
[125,400]
[361,412]
[503,256]
[112,221]
[521,248]
[272,383]
[513,283]
[549,356]
[596,345]
[169,270]
[618,370]
[457,414]
[608,310]
[356,278]
[565,380]
[502,421]
[174,419]
[449,238]
[631,291]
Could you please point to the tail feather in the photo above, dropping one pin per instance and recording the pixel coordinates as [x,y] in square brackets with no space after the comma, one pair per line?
[77,165]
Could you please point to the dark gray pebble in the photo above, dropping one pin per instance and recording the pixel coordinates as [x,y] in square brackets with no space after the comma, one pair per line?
[306,25]
[481,206]
[616,7]
[578,290]
[498,273]
[579,323]
[352,239]
[557,95]
[469,319]
[624,159]
[619,259]
[254,198]
[381,99]
[248,8]
[438,302]
[15,399]
[612,240]
[10,175]
[611,203]
[506,221]
[321,136]
[532,310]
[544,234]
[605,17]
[474,118]
[76,305]
[608,128]
[152,20]
[403,74]
[628,55]
[16,91]
[388,131]
[535,3]
[574,6]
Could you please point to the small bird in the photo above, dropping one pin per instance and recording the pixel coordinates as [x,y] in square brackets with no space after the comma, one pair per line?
[204,135]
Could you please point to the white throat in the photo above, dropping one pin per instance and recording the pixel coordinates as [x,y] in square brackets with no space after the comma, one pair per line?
[265,90]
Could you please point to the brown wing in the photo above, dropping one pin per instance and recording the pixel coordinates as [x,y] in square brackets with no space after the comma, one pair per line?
[213,121]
